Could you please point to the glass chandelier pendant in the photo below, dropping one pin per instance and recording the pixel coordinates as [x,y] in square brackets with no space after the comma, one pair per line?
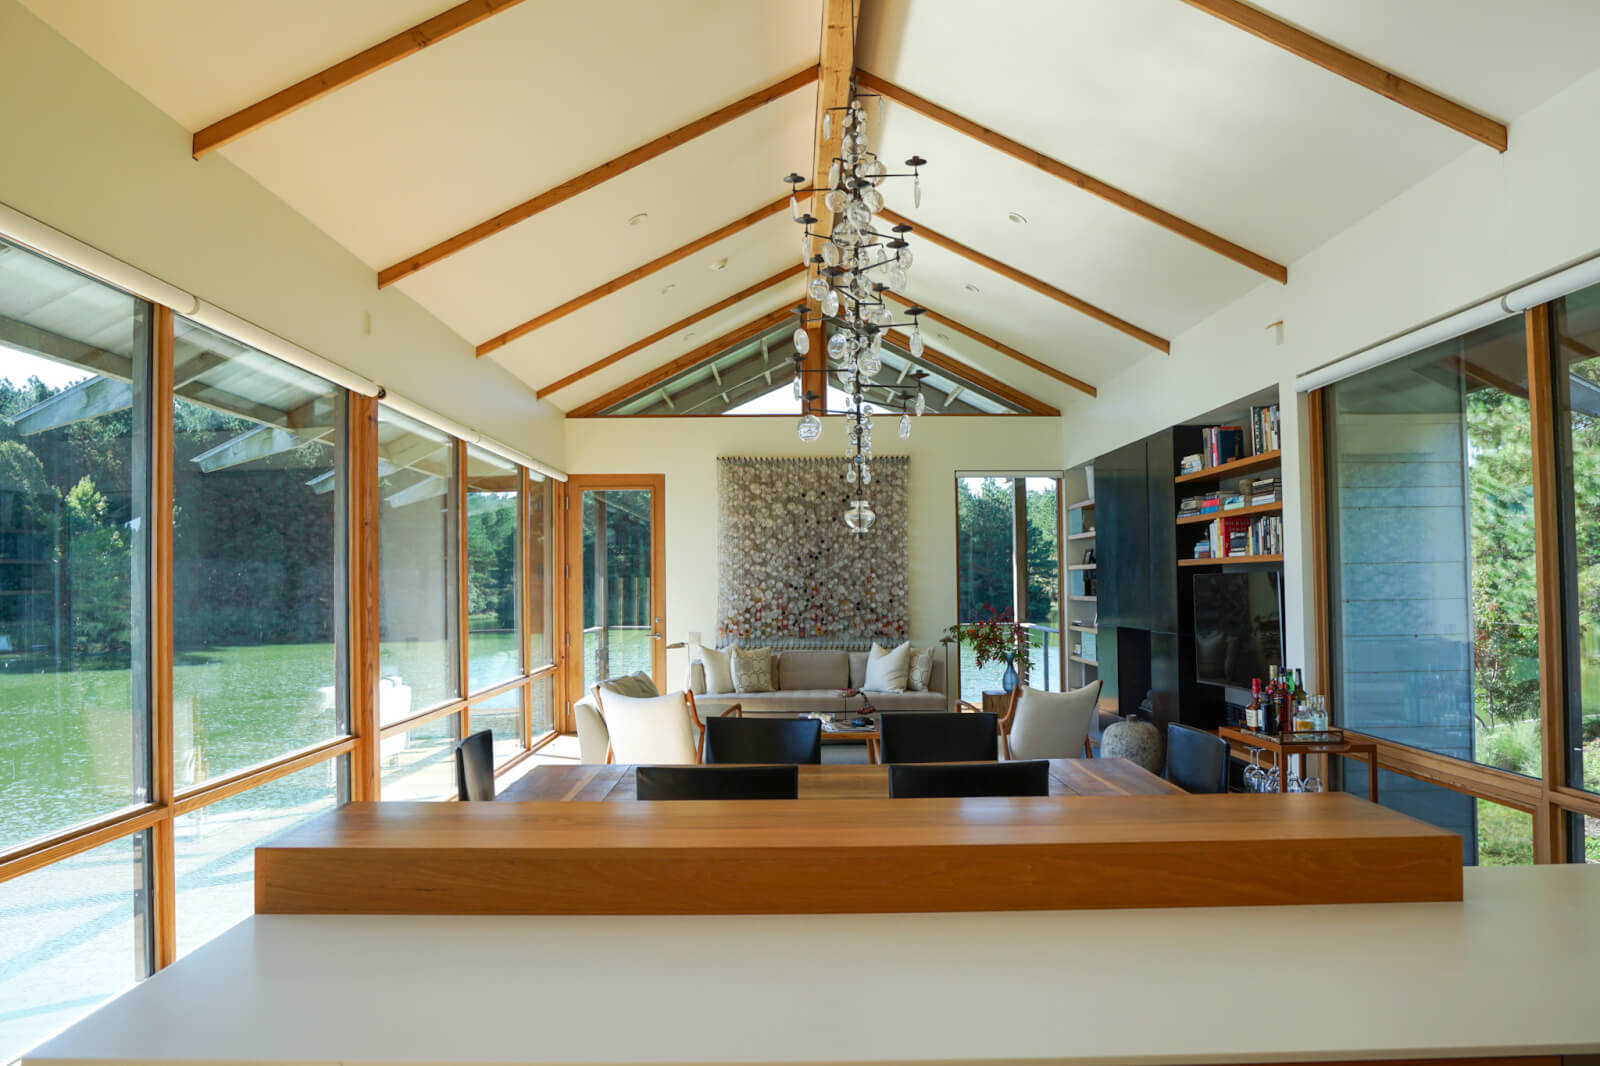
[802,340]
[921,403]
[830,303]
[905,420]
[799,389]
[859,516]
[810,427]
[915,345]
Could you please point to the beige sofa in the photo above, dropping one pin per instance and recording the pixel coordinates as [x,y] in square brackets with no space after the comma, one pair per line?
[809,679]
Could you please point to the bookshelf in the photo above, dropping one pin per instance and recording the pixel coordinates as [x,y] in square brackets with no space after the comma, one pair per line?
[1080,610]
[1251,425]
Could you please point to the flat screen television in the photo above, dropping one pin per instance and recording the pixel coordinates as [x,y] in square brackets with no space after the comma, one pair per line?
[1238,626]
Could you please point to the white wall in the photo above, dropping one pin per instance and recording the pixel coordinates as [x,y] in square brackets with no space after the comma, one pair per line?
[86,154]
[1475,228]
[686,451]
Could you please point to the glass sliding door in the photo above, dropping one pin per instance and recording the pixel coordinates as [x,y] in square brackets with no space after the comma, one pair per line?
[493,570]
[615,600]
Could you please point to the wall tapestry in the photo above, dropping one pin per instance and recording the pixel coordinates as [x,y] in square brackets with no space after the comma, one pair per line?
[790,570]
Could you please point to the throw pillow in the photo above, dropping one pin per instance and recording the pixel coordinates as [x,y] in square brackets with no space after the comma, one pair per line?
[638,685]
[887,670]
[719,668]
[921,671]
[753,670]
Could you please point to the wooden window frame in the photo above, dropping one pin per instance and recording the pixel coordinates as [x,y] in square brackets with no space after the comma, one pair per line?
[1549,798]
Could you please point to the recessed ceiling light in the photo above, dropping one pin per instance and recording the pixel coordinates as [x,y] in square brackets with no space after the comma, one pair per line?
[971,288]
[719,264]
[1018,217]
[636,219]
[669,287]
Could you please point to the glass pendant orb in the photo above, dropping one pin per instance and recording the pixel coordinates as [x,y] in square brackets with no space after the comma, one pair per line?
[827,125]
[916,342]
[866,476]
[845,234]
[921,405]
[794,208]
[833,175]
[802,340]
[850,474]
[858,213]
[905,427]
[916,191]
[809,427]
[838,346]
[872,198]
[859,516]
[847,118]
[896,277]
[818,288]
[882,316]
[799,390]
[903,257]
[834,200]
[850,446]
[830,303]
[830,256]
[876,171]
[870,363]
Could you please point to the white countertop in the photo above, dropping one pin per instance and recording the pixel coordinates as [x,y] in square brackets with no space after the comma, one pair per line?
[1509,971]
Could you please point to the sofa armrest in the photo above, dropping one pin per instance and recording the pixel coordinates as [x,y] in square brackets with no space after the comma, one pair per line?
[695,680]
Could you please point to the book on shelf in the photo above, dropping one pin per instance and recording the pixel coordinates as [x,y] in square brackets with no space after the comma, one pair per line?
[1191,464]
[1239,536]
[1264,429]
[1233,502]
[1221,444]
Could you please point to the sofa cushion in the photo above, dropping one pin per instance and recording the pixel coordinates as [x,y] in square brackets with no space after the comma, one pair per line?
[787,702]
[754,670]
[908,701]
[858,668]
[813,668]
[718,667]
[638,685]
[887,669]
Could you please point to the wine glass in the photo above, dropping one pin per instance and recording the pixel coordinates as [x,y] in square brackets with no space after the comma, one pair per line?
[1312,784]
[1253,773]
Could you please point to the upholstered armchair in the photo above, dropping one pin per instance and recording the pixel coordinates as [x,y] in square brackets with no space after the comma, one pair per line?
[1049,725]
[649,729]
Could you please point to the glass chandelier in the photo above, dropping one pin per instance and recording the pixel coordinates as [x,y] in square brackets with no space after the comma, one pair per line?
[850,268]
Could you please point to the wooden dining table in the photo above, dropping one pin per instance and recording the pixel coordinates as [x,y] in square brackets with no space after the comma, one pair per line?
[614,783]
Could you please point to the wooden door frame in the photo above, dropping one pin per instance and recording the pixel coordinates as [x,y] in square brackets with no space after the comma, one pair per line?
[572,579]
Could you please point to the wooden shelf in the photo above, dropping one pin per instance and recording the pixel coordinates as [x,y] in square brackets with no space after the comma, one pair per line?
[1081,599]
[1081,566]
[1230,560]
[1246,465]
[1080,505]
[1080,659]
[1087,534]
[1237,512]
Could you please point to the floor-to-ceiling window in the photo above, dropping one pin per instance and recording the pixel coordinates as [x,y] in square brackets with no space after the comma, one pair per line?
[493,590]
[74,712]
[1008,563]
[1431,546]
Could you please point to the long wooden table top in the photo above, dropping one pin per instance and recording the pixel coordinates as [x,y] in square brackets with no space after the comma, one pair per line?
[615,783]
[853,855]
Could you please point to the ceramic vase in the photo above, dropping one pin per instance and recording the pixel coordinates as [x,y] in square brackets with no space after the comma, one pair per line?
[1133,739]
[1008,680]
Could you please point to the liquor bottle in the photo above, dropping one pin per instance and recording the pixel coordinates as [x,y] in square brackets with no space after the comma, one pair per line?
[1252,711]
[1299,686]
[1303,721]
[1269,705]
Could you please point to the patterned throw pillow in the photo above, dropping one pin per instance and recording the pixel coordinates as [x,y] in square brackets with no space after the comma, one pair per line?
[921,669]
[753,670]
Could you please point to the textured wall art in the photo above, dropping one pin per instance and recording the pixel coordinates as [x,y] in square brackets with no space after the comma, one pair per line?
[789,569]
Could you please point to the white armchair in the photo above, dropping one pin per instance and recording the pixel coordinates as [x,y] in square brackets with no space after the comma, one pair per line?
[653,729]
[1049,725]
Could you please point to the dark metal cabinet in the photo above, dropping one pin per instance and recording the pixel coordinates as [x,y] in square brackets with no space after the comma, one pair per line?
[1122,521]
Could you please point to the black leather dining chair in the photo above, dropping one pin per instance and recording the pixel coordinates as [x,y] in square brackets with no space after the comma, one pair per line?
[763,740]
[1027,778]
[717,782]
[939,736]
[1197,761]
[475,767]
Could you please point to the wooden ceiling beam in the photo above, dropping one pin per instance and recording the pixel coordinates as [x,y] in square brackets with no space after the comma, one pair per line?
[1332,58]
[962,369]
[661,334]
[624,280]
[836,66]
[1028,281]
[1073,176]
[403,44]
[716,346]
[987,341]
[595,176]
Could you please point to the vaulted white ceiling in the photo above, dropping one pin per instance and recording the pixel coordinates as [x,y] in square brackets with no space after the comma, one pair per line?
[1164,101]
